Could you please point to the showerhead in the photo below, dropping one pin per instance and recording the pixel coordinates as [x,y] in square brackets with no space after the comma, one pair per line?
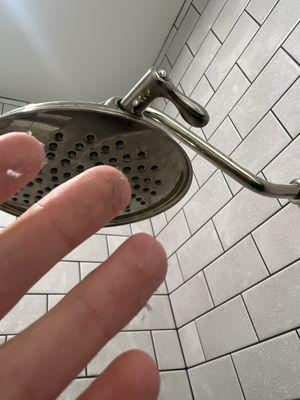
[129,135]
[78,136]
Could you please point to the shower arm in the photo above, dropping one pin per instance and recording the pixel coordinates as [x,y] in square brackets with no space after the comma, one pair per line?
[156,83]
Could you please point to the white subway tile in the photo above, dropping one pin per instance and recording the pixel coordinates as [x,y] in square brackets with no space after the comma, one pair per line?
[75,389]
[60,279]
[142,226]
[202,92]
[288,109]
[232,48]
[175,386]
[204,24]
[156,314]
[186,27]
[191,300]
[200,5]
[270,370]
[92,249]
[191,345]
[225,329]
[291,45]
[116,230]
[174,276]
[235,271]
[224,99]
[166,45]
[215,380]
[266,140]
[207,201]
[182,12]
[226,137]
[278,75]
[86,268]
[123,341]
[183,61]
[199,251]
[174,234]
[158,223]
[167,349]
[274,304]
[6,218]
[278,238]
[260,9]
[25,312]
[278,25]
[199,64]
[242,214]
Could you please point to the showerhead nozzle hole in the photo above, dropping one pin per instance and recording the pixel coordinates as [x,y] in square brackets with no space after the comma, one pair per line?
[38,197]
[153,192]
[26,195]
[105,149]
[119,144]
[80,168]
[98,163]
[143,203]
[26,201]
[133,195]
[53,171]
[79,146]
[48,189]
[94,155]
[138,199]
[90,138]
[146,190]
[72,154]
[39,180]
[126,170]
[65,162]
[54,178]
[14,199]
[147,180]
[67,175]
[30,184]
[127,157]
[141,168]
[141,155]
[158,182]
[50,156]
[136,187]
[53,146]
[154,168]
[113,161]
[59,136]
[135,179]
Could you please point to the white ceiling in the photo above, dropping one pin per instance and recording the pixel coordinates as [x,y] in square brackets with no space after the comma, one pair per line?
[79,49]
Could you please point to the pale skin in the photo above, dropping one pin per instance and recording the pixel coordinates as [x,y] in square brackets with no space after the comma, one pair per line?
[42,360]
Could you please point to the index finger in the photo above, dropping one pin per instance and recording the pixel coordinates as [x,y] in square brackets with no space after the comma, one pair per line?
[51,228]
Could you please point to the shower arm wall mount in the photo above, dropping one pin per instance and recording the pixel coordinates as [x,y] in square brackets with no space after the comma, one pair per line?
[156,83]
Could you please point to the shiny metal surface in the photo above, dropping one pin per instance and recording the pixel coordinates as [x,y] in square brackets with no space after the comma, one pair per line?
[78,136]
[156,83]
[244,177]
[131,136]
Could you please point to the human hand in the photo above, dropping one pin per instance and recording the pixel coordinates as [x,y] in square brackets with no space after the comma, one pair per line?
[42,360]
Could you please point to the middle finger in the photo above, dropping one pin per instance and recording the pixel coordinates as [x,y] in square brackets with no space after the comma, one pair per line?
[54,226]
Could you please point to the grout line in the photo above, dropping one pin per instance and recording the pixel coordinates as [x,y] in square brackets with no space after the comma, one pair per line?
[249,316]
[184,216]
[234,296]
[213,222]
[254,19]
[237,375]
[280,123]
[260,253]
[181,8]
[208,288]
[154,349]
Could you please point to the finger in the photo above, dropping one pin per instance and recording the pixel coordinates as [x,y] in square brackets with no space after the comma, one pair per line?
[51,228]
[131,376]
[21,158]
[62,342]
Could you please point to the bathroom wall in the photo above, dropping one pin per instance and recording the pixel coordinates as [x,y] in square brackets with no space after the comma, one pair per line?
[234,255]
[234,269]
[151,330]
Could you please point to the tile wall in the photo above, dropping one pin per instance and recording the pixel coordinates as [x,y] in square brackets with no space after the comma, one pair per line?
[234,268]
[226,323]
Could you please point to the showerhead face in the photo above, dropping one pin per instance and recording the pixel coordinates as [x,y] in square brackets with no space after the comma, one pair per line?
[78,136]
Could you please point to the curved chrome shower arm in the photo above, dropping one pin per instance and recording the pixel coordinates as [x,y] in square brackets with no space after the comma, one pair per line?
[237,172]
